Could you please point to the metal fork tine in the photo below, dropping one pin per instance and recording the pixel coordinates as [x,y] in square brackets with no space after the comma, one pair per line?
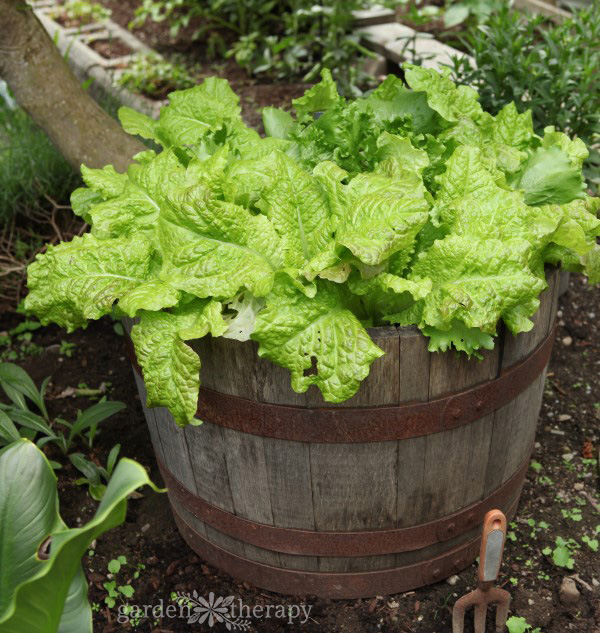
[502,615]
[480,610]
[458,617]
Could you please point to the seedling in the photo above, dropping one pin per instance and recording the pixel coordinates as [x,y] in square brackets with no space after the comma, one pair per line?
[562,553]
[66,349]
[18,420]
[124,590]
[574,514]
[592,543]
[94,476]
[515,624]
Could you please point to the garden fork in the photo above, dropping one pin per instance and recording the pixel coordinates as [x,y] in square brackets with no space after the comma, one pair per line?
[490,557]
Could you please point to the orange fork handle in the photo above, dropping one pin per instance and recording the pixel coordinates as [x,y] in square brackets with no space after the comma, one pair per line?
[492,545]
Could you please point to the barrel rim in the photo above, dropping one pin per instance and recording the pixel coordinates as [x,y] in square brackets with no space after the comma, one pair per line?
[370,424]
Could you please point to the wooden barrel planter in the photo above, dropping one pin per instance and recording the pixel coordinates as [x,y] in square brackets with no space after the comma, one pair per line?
[379,495]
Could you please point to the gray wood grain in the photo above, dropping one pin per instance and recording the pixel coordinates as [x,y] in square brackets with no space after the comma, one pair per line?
[290,487]
[414,365]
[249,481]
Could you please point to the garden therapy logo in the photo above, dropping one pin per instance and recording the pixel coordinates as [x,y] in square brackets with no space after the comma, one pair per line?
[212,610]
[215,609]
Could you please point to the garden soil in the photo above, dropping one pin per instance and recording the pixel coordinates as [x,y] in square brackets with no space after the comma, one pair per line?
[562,481]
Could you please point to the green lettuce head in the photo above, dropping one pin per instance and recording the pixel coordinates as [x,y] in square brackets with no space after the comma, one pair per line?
[410,206]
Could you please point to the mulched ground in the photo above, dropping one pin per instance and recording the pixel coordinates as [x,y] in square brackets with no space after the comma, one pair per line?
[565,482]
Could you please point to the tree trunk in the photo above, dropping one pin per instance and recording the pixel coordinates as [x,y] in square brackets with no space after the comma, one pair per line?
[45,87]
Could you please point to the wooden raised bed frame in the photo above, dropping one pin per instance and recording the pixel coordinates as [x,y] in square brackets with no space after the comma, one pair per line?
[381,494]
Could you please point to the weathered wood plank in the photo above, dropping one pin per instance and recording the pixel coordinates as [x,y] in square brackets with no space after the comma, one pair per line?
[175,449]
[414,365]
[455,468]
[354,488]
[226,366]
[455,371]
[207,452]
[246,465]
[290,486]
[150,417]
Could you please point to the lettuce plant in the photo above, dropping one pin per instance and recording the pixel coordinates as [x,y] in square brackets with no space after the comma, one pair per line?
[407,206]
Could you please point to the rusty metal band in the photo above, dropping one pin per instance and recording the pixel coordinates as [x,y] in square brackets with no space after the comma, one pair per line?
[328,584]
[371,424]
[350,544]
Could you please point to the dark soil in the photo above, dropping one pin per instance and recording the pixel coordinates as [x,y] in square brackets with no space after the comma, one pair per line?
[110,48]
[568,433]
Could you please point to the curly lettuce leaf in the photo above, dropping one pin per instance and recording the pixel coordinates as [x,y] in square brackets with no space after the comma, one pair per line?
[290,198]
[171,368]
[214,248]
[450,101]
[318,340]
[82,279]
[475,281]
[191,117]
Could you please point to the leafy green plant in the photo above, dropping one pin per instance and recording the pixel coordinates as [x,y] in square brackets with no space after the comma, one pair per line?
[86,11]
[18,420]
[412,207]
[154,76]
[95,477]
[562,553]
[548,68]
[592,543]
[44,589]
[480,10]
[294,38]
[515,624]
[120,588]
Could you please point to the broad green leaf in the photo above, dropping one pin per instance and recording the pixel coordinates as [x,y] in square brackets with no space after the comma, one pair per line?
[301,334]
[475,281]
[8,431]
[446,98]
[455,14]
[170,367]
[136,208]
[513,129]
[82,279]
[28,515]
[106,181]
[214,248]
[575,148]
[320,97]
[548,177]
[194,113]
[135,122]
[15,380]
[277,122]
[290,198]
[383,218]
